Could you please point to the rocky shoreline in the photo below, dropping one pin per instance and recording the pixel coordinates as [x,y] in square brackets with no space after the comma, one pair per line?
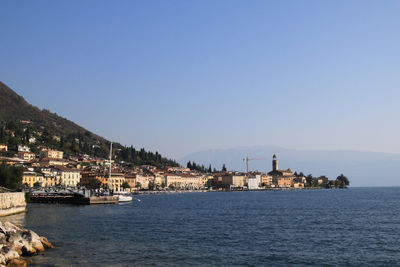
[16,243]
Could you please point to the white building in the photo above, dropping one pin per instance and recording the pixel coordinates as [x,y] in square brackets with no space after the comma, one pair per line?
[184,181]
[254,182]
[23,148]
[69,177]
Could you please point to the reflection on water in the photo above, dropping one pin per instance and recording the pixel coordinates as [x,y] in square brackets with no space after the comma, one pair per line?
[18,219]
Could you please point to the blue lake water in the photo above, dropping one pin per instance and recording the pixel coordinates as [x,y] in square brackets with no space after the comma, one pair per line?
[353,227]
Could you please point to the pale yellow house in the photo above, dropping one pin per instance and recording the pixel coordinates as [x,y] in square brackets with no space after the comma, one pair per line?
[233,180]
[50,180]
[131,180]
[184,181]
[50,153]
[52,162]
[206,178]
[266,180]
[298,185]
[26,155]
[69,177]
[115,181]
[159,179]
[30,178]
[143,180]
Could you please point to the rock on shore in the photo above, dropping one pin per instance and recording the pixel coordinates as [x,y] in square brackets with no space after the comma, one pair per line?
[16,241]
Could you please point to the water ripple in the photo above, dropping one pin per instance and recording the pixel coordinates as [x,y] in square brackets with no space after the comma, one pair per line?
[351,227]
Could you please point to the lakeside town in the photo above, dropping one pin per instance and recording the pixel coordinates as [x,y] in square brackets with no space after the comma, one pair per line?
[50,168]
[51,151]
[48,175]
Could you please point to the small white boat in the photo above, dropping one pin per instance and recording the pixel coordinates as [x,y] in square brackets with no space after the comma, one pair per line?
[124,198]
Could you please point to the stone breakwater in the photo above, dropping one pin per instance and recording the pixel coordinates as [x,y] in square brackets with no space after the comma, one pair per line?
[11,203]
[17,242]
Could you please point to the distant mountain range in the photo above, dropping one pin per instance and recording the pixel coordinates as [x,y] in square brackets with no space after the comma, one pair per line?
[362,168]
[21,121]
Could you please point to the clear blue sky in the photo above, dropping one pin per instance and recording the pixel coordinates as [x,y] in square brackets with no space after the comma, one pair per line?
[183,76]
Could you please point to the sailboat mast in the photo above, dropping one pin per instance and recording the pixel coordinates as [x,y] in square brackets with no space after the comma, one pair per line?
[110,162]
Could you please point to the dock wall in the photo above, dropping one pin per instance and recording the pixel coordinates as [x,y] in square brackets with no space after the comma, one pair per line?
[74,199]
[104,200]
[11,203]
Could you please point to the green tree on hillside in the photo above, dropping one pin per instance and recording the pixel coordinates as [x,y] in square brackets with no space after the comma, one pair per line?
[11,177]
[14,133]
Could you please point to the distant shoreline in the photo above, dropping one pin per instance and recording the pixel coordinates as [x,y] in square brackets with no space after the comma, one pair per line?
[218,191]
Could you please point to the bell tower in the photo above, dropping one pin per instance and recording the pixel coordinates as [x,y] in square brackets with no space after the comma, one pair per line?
[274,163]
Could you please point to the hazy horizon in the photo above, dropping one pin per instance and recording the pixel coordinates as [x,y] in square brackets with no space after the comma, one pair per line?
[180,77]
[361,167]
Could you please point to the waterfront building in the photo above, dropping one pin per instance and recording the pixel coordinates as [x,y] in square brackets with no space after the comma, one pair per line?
[69,177]
[105,181]
[159,179]
[207,180]
[281,178]
[143,181]
[30,178]
[216,181]
[298,184]
[51,176]
[131,180]
[266,180]
[115,181]
[230,180]
[88,176]
[51,179]
[183,181]
[253,182]
[50,153]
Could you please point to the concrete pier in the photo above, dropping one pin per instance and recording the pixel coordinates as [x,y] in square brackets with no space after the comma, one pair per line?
[74,199]
[11,203]
[103,200]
